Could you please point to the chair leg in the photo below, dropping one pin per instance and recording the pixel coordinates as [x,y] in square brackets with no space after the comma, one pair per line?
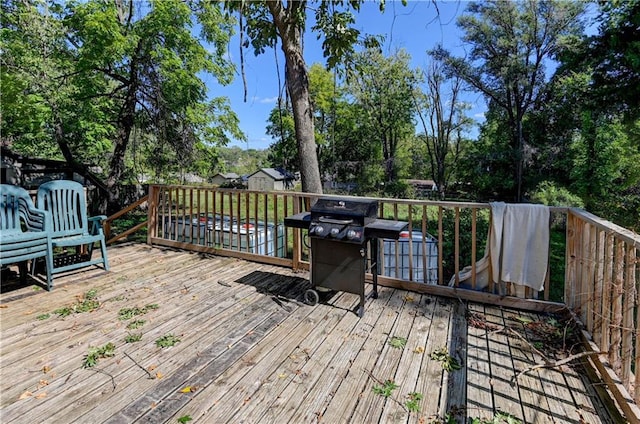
[23,269]
[103,250]
[48,259]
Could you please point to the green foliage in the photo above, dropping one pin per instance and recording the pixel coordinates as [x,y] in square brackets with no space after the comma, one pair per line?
[548,193]
[486,163]
[283,152]
[96,353]
[613,58]
[557,245]
[398,189]
[465,237]
[384,88]
[132,338]
[444,122]
[167,340]
[448,362]
[108,74]
[605,164]
[413,402]
[184,419]
[86,303]
[398,342]
[512,82]
[128,313]
[498,418]
[242,161]
[43,317]
[135,324]
[386,389]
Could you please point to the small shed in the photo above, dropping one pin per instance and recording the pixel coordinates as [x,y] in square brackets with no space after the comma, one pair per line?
[424,187]
[269,179]
[220,178]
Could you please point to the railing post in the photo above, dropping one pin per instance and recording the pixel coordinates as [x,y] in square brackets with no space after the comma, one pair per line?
[297,249]
[570,262]
[152,213]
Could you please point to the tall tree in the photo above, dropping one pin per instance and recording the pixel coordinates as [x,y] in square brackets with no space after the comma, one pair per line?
[511,43]
[325,94]
[151,63]
[39,116]
[124,65]
[614,56]
[596,101]
[442,114]
[384,87]
[266,22]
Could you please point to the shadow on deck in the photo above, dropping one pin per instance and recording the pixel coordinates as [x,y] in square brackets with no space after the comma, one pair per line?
[250,351]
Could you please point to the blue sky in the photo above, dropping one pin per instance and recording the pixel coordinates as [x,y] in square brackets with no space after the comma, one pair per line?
[416,27]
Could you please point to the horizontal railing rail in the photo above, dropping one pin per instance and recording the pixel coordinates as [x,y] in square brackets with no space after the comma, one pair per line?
[593,264]
[108,223]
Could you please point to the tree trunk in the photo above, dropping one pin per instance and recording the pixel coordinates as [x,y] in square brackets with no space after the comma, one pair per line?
[116,165]
[519,160]
[296,75]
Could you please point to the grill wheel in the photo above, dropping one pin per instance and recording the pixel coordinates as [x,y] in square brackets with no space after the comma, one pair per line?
[311,297]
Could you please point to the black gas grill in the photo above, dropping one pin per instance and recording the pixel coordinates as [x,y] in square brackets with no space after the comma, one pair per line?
[341,230]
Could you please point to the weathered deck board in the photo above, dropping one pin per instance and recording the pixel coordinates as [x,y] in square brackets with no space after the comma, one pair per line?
[431,377]
[479,391]
[252,352]
[351,388]
[535,404]
[204,319]
[505,397]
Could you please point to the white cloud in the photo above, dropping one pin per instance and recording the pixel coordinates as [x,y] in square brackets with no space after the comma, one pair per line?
[265,100]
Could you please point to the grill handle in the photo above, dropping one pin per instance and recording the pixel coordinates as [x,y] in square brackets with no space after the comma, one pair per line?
[335,221]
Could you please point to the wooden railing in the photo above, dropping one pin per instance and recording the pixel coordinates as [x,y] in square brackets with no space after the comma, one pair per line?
[594,265]
[109,221]
[602,277]
[446,237]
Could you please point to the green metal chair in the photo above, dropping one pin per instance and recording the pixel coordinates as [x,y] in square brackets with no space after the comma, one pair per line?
[24,231]
[71,228]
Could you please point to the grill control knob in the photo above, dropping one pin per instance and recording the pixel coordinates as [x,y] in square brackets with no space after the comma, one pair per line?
[351,234]
[334,231]
[319,229]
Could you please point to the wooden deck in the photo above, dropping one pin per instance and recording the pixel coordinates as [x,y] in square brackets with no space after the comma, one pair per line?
[251,352]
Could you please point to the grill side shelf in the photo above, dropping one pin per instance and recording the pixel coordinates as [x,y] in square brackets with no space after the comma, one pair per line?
[385,228]
[299,220]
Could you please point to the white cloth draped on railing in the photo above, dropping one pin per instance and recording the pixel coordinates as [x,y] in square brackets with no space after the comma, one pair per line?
[517,248]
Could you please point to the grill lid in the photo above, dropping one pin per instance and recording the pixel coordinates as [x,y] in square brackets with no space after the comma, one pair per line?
[358,210]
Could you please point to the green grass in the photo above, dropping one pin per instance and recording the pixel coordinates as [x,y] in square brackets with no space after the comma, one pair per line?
[557,246]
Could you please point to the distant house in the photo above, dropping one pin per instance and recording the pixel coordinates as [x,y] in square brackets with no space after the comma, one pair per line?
[191,178]
[269,179]
[423,187]
[221,179]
